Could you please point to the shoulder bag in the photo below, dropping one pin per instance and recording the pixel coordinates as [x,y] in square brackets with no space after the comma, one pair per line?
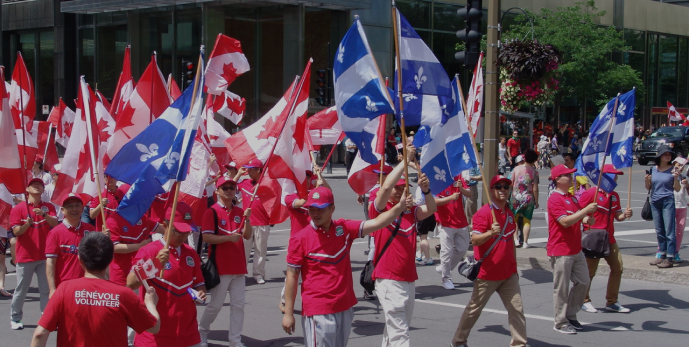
[470,267]
[366,276]
[646,213]
[595,243]
[209,268]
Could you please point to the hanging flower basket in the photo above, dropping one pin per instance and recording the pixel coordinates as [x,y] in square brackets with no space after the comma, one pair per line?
[528,71]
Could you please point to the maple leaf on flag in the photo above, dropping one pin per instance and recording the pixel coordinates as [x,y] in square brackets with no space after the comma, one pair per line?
[270,129]
[229,73]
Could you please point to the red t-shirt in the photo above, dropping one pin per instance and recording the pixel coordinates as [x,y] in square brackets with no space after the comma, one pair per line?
[259,216]
[124,232]
[451,215]
[326,269]
[178,324]
[561,240]
[230,257]
[158,207]
[608,206]
[88,311]
[31,245]
[514,146]
[63,244]
[298,217]
[397,262]
[501,262]
[110,208]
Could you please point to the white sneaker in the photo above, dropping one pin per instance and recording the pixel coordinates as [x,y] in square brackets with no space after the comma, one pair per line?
[447,284]
[418,256]
[260,280]
[526,245]
[439,269]
[428,261]
[588,307]
[17,325]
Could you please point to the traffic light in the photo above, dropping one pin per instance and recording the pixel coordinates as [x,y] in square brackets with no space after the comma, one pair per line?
[472,34]
[188,71]
[322,87]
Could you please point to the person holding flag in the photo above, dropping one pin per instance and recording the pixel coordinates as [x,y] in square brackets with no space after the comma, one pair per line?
[608,211]
[327,290]
[62,245]
[108,204]
[453,230]
[128,239]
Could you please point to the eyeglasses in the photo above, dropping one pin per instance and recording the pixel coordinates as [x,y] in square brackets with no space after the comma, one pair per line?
[226,188]
[501,187]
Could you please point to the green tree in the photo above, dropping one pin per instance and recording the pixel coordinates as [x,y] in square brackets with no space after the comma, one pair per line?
[587,70]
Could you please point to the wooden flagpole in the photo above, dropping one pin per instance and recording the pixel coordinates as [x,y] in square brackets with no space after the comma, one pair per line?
[607,143]
[150,109]
[395,29]
[47,143]
[332,149]
[86,101]
[473,145]
[383,120]
[197,80]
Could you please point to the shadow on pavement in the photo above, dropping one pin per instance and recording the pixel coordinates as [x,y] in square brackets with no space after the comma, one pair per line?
[661,297]
[656,326]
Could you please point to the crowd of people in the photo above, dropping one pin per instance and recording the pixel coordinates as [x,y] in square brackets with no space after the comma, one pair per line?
[88,259]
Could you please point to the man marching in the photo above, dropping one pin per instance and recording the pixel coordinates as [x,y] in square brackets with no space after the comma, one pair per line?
[453,230]
[260,222]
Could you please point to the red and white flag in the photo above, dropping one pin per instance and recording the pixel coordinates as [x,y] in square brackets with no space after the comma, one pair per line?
[230,106]
[673,115]
[325,128]
[11,172]
[27,143]
[291,159]
[125,86]
[191,189]
[226,62]
[475,97]
[6,203]
[145,269]
[22,102]
[361,176]
[62,118]
[213,134]
[103,100]
[148,101]
[47,152]
[173,88]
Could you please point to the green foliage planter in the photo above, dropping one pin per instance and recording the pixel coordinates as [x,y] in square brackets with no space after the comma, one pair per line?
[528,71]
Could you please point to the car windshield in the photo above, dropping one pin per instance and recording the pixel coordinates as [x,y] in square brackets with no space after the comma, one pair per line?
[668,132]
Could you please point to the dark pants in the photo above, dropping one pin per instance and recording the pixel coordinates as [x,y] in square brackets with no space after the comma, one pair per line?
[514,162]
[350,159]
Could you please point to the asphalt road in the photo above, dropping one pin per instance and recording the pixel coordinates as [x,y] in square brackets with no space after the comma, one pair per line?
[658,314]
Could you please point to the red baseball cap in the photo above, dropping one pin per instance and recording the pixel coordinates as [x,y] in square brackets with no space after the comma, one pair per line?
[71,196]
[56,169]
[499,178]
[561,170]
[609,168]
[183,215]
[401,182]
[253,163]
[223,180]
[35,179]
[320,197]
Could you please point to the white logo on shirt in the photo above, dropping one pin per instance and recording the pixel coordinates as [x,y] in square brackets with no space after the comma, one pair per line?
[95,298]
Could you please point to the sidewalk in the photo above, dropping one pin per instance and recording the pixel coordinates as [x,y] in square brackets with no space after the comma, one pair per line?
[635,267]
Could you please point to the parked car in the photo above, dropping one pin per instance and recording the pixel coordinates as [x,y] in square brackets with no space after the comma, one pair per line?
[676,137]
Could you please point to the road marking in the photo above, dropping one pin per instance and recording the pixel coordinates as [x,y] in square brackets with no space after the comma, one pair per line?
[531,316]
[641,241]
[617,233]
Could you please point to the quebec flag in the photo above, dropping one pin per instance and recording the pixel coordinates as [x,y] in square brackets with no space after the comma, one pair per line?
[152,160]
[360,92]
[426,90]
[446,148]
[597,148]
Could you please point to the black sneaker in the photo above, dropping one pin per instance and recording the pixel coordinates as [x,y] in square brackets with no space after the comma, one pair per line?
[369,296]
[575,323]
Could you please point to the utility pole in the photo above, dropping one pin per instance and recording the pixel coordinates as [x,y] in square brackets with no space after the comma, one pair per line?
[492,101]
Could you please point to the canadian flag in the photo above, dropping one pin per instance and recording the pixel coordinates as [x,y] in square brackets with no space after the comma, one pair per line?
[213,134]
[227,61]
[22,102]
[148,101]
[27,142]
[361,176]
[230,106]
[325,128]
[62,118]
[125,86]
[6,203]
[673,115]
[475,98]
[92,127]
[191,189]
[288,165]
[173,89]
[11,172]
[47,152]
[103,99]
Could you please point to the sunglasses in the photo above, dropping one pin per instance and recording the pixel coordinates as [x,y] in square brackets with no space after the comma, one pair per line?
[226,188]
[501,187]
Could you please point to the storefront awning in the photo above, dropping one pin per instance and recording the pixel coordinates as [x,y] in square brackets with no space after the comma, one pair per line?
[100,6]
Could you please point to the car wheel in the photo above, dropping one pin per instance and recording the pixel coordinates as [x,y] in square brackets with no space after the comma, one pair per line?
[643,162]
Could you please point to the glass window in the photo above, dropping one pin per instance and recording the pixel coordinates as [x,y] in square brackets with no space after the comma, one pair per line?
[112,41]
[444,50]
[188,34]
[417,13]
[156,35]
[634,39]
[445,17]
[241,25]
[87,49]
[316,38]
[271,60]
[682,97]
[667,69]
[652,69]
[46,87]
[27,46]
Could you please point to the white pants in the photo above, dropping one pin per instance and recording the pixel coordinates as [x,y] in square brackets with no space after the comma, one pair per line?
[453,246]
[397,300]
[259,240]
[25,273]
[327,330]
[371,248]
[235,284]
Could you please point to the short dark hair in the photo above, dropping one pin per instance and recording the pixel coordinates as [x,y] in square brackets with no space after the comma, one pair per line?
[530,156]
[570,155]
[96,251]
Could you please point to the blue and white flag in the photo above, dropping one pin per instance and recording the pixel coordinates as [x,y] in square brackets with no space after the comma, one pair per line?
[446,148]
[360,92]
[597,148]
[426,89]
[152,160]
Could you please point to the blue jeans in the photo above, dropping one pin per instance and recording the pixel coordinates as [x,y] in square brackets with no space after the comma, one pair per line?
[663,211]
